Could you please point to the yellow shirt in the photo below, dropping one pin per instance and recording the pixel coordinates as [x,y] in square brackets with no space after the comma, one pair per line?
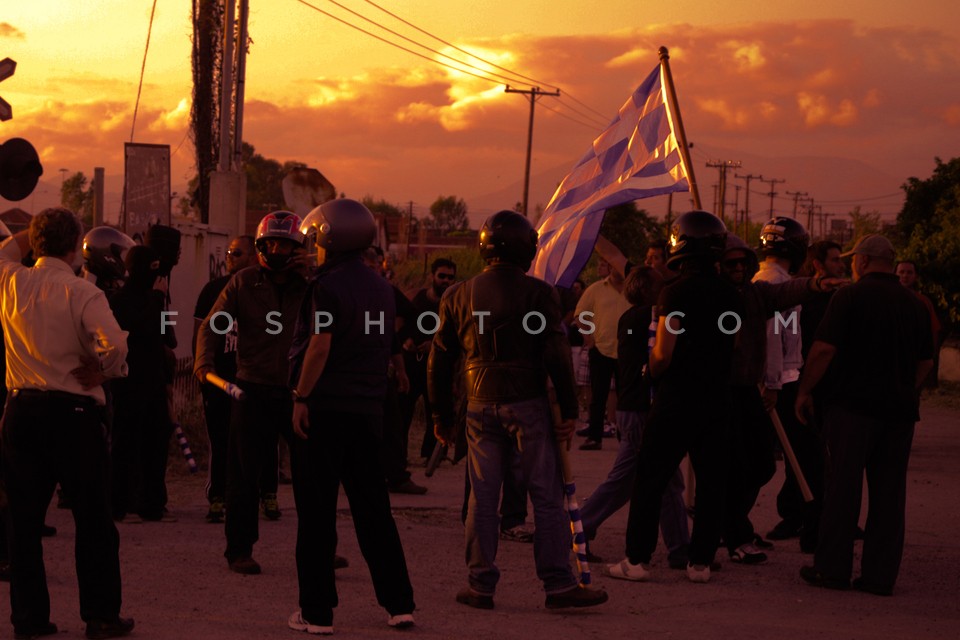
[607,305]
[50,319]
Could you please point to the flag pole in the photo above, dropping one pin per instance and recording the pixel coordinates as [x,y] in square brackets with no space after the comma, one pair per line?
[681,135]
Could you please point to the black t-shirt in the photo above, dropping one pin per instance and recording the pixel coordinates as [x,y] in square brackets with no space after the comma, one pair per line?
[881,331]
[701,361]
[633,394]
[225,360]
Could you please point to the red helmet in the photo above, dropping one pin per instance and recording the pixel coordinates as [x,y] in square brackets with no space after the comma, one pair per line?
[281,225]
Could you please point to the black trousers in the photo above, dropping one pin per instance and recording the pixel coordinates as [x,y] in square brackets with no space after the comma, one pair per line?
[216,412]
[602,371]
[49,438]
[416,366]
[751,462]
[880,447]
[342,448]
[393,453]
[255,427]
[140,443]
[675,428]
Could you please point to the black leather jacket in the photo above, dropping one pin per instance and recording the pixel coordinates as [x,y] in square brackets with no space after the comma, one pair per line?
[482,320]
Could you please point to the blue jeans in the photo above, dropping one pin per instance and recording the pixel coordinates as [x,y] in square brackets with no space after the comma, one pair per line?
[615,491]
[495,434]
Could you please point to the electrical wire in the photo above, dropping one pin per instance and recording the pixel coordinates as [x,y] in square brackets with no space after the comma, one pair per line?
[450,44]
[561,114]
[527,80]
[143,67]
[413,42]
[580,113]
[393,44]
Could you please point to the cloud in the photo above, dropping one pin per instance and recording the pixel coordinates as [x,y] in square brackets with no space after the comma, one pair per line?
[7,30]
[951,115]
[411,132]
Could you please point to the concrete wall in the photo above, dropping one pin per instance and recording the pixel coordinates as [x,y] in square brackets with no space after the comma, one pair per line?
[202,258]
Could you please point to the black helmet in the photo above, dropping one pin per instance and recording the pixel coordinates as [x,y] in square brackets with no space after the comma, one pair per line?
[104,249]
[280,225]
[785,238]
[509,236]
[698,235]
[340,225]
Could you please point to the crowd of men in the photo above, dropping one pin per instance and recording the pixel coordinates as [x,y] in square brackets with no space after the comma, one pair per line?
[323,352]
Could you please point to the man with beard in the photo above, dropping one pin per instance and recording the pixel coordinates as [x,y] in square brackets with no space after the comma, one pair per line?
[416,348]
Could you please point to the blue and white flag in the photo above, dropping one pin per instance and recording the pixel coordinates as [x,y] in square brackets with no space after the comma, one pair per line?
[638,156]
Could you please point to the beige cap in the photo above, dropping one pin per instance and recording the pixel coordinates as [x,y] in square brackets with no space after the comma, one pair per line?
[874,246]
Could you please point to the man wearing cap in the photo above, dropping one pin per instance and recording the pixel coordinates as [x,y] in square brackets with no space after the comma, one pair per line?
[871,352]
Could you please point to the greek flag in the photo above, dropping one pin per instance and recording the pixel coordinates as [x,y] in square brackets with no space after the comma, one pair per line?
[638,156]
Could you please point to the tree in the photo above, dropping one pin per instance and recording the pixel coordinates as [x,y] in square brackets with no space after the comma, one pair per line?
[78,197]
[928,229]
[205,112]
[924,198]
[864,223]
[449,214]
[382,207]
[631,229]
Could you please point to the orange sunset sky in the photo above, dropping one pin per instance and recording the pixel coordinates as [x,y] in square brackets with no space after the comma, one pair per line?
[843,100]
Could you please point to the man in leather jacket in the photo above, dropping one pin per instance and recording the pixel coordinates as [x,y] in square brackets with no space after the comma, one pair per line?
[506,327]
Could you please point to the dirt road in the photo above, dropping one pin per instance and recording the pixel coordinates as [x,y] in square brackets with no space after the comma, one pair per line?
[176,582]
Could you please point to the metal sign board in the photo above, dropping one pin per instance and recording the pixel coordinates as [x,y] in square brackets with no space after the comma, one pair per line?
[146,187]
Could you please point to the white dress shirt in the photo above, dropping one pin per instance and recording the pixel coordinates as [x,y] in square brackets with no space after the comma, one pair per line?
[51,318]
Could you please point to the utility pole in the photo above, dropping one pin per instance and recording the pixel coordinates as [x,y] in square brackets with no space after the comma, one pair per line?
[773,183]
[746,204]
[722,166]
[241,83]
[533,95]
[796,200]
[824,226]
[736,206]
[810,208]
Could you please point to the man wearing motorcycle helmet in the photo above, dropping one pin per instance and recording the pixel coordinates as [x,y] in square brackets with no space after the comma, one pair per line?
[263,302]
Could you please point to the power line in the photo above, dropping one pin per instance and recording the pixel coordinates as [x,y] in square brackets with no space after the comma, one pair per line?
[394,44]
[571,118]
[559,99]
[450,44]
[143,67]
[419,44]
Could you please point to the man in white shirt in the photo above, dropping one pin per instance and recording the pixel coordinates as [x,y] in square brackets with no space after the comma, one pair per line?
[61,342]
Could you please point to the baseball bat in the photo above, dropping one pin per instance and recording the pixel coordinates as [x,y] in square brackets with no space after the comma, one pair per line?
[229,388]
[439,455]
[790,455]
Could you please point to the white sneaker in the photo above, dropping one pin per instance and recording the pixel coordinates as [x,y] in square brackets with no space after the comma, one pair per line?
[401,621]
[297,622]
[698,572]
[623,570]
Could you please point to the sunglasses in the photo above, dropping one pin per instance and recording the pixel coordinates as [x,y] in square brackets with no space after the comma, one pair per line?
[236,253]
[445,276]
[736,262]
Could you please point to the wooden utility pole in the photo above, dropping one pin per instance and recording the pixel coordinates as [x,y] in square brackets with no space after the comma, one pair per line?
[533,94]
[773,183]
[746,204]
[722,166]
[796,200]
